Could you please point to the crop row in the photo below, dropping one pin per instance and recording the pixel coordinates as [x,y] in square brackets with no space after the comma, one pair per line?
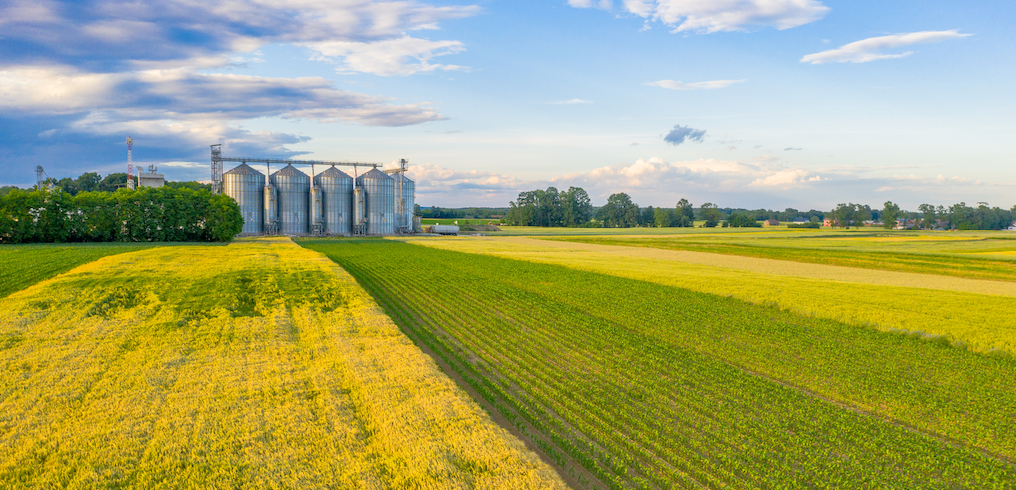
[625,388]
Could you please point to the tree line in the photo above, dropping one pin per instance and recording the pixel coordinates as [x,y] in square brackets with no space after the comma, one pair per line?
[574,208]
[146,214]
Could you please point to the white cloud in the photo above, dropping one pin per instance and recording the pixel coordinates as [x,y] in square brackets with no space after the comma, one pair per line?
[184,94]
[677,85]
[117,33]
[719,15]
[786,177]
[871,49]
[391,56]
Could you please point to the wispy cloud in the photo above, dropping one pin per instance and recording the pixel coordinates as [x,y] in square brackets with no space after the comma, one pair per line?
[680,134]
[718,15]
[402,56]
[873,48]
[677,85]
[184,94]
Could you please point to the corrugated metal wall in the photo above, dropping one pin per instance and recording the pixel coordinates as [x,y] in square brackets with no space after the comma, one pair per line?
[244,185]
[294,189]
[379,189]
[337,194]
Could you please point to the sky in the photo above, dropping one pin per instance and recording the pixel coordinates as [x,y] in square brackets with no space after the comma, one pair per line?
[742,103]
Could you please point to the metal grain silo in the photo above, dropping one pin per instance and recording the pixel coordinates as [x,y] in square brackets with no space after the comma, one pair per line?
[293,187]
[379,190]
[404,221]
[337,200]
[244,185]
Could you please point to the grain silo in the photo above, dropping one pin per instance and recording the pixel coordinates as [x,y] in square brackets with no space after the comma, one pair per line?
[379,192]
[404,220]
[330,203]
[293,187]
[337,201]
[244,185]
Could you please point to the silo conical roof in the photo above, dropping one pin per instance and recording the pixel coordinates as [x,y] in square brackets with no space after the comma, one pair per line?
[290,171]
[332,173]
[243,169]
[374,173]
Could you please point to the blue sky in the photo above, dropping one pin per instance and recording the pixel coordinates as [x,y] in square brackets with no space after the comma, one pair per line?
[751,103]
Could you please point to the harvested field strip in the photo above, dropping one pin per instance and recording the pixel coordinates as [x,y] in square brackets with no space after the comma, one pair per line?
[643,385]
[952,265]
[256,365]
[980,322]
[24,265]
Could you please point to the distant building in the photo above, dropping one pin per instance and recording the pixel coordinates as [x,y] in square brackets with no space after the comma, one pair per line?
[770,222]
[827,223]
[905,224]
[150,178]
[800,221]
[1012,227]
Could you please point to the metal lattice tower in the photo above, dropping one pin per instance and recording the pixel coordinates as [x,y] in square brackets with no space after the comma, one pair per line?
[217,168]
[39,179]
[400,195]
[130,164]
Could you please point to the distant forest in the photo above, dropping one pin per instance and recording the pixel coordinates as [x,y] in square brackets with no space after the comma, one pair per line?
[573,208]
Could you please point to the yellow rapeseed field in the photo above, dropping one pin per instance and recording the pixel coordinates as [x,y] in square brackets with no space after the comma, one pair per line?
[975,313]
[257,365]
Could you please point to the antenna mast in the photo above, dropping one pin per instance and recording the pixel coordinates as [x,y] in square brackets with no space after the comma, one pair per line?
[130,164]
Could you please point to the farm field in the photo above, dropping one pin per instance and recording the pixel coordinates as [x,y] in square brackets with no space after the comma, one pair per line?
[629,383]
[24,265]
[967,312]
[976,255]
[259,364]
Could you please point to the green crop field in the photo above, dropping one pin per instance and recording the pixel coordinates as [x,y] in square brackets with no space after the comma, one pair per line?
[969,312]
[628,383]
[24,265]
[972,255]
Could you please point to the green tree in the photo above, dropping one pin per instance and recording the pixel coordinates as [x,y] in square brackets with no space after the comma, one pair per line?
[738,219]
[684,208]
[712,215]
[929,216]
[663,218]
[619,212]
[576,207]
[890,213]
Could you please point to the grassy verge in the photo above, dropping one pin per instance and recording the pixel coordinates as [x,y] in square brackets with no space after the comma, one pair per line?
[24,265]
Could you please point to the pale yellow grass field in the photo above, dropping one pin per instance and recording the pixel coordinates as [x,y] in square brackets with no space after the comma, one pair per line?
[969,311]
[226,367]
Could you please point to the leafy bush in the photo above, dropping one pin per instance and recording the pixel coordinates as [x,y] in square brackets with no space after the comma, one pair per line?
[142,215]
